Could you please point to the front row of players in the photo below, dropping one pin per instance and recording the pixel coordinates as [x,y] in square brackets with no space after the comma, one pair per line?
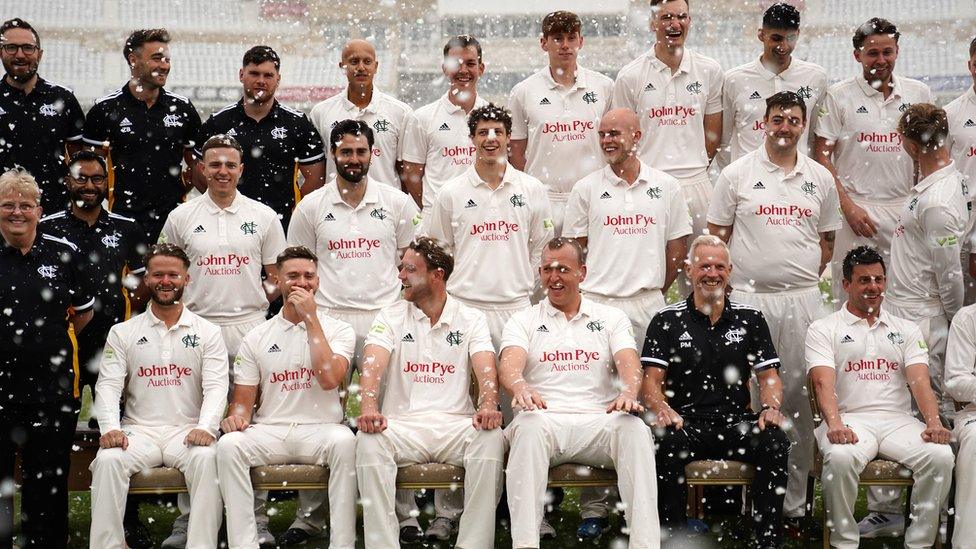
[572,367]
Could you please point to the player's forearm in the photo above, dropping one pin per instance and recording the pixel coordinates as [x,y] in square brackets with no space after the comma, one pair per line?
[948,277]
[921,387]
[108,396]
[326,365]
[826,250]
[771,391]
[823,386]
[369,386]
[215,385]
[651,389]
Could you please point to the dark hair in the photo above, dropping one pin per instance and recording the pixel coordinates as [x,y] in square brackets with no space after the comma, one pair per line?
[659,2]
[862,255]
[435,256]
[295,252]
[350,127]
[561,22]
[972,47]
[559,242]
[786,99]
[221,141]
[875,25]
[463,41]
[925,124]
[261,54]
[86,155]
[167,250]
[781,16]
[140,37]
[491,112]
[18,23]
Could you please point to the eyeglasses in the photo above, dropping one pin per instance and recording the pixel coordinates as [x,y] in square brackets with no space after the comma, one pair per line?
[95,179]
[11,49]
[10,207]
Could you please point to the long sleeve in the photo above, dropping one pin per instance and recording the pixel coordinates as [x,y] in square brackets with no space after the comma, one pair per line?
[111,381]
[215,380]
[960,360]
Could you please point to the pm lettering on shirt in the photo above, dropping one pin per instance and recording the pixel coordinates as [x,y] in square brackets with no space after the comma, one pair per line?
[568,361]
[494,230]
[164,376]
[791,215]
[222,265]
[881,142]
[460,156]
[433,372]
[568,131]
[629,224]
[354,248]
[676,115]
[293,380]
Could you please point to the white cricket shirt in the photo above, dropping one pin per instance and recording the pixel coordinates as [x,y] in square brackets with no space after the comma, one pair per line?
[869,361]
[560,125]
[962,132]
[496,236]
[437,136]
[862,124]
[386,116]
[744,101]
[627,228]
[570,362]
[275,357]
[776,220]
[672,109]
[960,358]
[358,248]
[430,368]
[169,376]
[227,248]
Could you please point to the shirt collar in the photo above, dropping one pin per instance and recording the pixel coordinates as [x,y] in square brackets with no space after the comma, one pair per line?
[643,176]
[871,92]
[284,324]
[447,313]
[761,69]
[507,179]
[705,319]
[186,317]
[850,318]
[585,309]
[931,179]
[5,86]
[971,94]
[579,84]
[36,247]
[371,196]
[349,106]
[771,167]
[451,108]
[660,66]
[213,208]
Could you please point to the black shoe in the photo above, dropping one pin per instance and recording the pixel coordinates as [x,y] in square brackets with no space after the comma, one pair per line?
[804,528]
[294,536]
[137,535]
[411,534]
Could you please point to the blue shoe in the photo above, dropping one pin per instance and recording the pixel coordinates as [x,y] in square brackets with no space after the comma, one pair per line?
[592,528]
[697,526]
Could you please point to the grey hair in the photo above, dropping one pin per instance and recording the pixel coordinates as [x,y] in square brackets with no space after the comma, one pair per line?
[19,181]
[707,240]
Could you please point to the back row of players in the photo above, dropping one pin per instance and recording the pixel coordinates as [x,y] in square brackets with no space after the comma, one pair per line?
[684,113]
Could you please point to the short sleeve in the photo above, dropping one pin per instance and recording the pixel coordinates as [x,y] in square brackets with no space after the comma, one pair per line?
[310,148]
[207,130]
[274,241]
[576,216]
[713,104]
[520,122]
[763,353]
[654,352]
[818,350]
[82,295]
[301,229]
[516,332]
[191,131]
[830,216]
[74,119]
[381,332]
[830,118]
[415,141]
[621,333]
[407,223]
[170,233]
[479,337]
[246,369]
[941,227]
[721,210]
[342,340]
[96,129]
[138,247]
[915,349]
[624,92]
[679,218]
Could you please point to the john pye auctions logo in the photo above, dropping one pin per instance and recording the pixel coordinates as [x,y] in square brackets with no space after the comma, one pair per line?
[433,372]
[170,375]
[569,361]
[353,248]
[223,265]
[293,380]
[494,230]
[629,224]
[791,215]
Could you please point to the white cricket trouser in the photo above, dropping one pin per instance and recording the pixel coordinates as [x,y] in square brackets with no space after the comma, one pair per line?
[153,447]
[233,334]
[595,502]
[885,217]
[964,535]
[329,444]
[446,439]
[541,439]
[789,315]
[892,436]
[698,194]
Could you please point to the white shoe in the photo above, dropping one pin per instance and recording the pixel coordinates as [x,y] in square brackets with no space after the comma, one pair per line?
[880,525]
[546,531]
[176,539]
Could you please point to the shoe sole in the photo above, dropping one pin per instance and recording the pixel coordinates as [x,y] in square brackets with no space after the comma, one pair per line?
[882,534]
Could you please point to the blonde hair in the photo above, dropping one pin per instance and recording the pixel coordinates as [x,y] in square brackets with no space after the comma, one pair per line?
[19,181]
[707,240]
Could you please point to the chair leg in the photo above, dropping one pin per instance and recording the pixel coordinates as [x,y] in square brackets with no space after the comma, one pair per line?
[700,502]
[691,507]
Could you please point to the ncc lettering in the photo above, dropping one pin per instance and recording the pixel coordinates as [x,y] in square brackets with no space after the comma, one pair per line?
[223,265]
[293,380]
[458,155]
[881,142]
[676,115]
[791,216]
[568,131]
[169,375]
[493,230]
[428,373]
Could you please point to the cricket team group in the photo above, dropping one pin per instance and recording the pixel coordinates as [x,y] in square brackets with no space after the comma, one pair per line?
[498,276]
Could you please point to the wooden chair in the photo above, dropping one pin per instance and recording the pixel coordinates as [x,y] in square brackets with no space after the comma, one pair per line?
[708,472]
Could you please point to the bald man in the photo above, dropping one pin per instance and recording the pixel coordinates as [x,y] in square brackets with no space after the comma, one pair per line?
[362,101]
[624,211]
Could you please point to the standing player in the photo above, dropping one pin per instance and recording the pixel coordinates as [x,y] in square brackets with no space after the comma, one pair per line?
[146,132]
[43,278]
[961,113]
[778,210]
[677,93]
[436,147]
[857,140]
[558,361]
[288,375]
[960,385]
[40,118]
[866,366]
[555,113]
[362,101]
[359,228]
[748,86]
[171,367]
[280,141]
[435,344]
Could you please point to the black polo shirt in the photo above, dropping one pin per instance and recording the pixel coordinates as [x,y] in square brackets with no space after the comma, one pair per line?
[147,146]
[708,367]
[114,247]
[273,150]
[40,358]
[33,130]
